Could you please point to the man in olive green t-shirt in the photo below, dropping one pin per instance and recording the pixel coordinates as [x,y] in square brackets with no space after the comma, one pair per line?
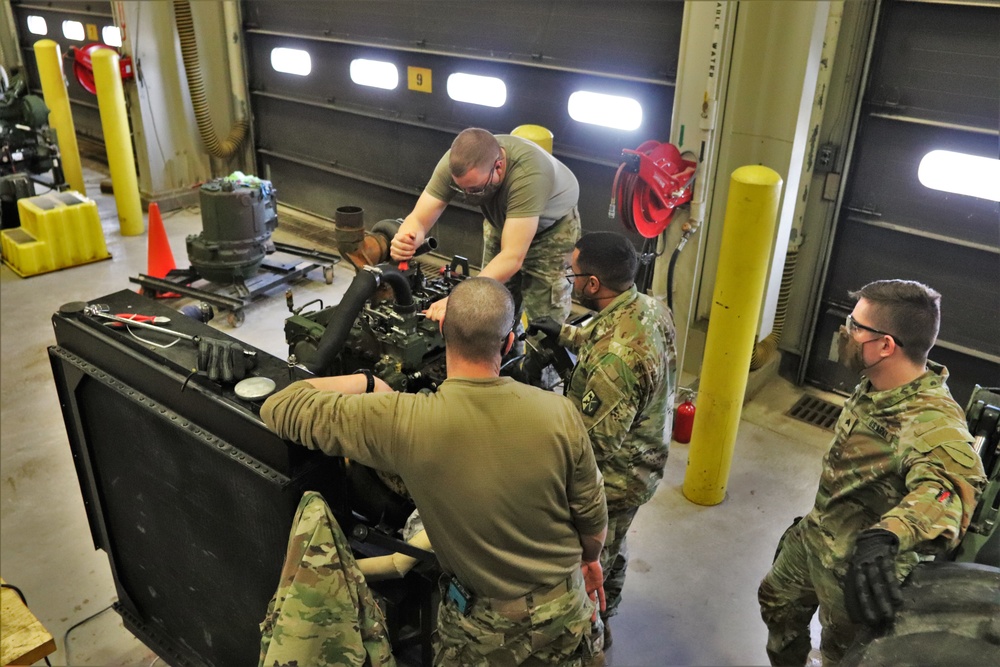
[529,201]
[503,475]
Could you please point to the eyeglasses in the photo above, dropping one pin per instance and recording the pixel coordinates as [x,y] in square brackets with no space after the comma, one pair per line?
[852,326]
[571,277]
[475,192]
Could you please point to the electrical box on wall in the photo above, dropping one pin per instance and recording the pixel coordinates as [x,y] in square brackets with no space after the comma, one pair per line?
[826,157]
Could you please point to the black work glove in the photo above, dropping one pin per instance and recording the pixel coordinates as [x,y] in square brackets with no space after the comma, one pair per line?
[871,590]
[223,359]
[545,325]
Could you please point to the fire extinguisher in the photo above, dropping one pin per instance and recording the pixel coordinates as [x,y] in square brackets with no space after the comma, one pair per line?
[684,419]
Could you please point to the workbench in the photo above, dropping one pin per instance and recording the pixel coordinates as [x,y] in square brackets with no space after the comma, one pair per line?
[23,639]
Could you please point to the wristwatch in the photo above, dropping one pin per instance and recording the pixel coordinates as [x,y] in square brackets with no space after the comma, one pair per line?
[370,387]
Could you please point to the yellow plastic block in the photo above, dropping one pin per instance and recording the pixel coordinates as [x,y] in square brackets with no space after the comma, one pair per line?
[58,230]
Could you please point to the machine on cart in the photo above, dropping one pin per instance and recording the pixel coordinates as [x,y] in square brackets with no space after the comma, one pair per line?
[28,146]
[233,260]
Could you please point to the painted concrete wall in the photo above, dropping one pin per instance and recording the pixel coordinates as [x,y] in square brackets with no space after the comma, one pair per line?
[171,155]
[768,70]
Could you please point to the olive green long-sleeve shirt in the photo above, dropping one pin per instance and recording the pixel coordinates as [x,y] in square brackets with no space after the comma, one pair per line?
[503,474]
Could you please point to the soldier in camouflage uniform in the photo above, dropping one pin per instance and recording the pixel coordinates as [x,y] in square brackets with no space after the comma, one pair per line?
[323,613]
[899,483]
[529,201]
[623,384]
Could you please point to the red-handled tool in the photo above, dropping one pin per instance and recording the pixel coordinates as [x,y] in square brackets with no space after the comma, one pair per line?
[136,317]
[149,319]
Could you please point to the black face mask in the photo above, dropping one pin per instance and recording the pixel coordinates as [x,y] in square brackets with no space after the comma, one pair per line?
[486,195]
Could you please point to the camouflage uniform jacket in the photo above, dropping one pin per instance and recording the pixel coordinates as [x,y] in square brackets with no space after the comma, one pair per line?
[323,613]
[902,461]
[623,384]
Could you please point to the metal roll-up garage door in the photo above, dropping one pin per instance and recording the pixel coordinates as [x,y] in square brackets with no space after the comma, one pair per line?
[934,84]
[84,23]
[328,142]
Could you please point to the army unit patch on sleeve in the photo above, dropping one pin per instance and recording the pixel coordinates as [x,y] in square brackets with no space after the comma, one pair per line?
[590,403]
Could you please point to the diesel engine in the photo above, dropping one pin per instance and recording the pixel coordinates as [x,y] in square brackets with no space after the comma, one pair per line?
[378,325]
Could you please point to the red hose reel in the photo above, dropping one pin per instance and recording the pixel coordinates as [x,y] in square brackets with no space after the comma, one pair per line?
[83,68]
[651,182]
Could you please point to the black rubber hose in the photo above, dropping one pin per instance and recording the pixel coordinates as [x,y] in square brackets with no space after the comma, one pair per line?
[670,277]
[395,279]
[430,243]
[224,148]
[387,227]
[360,290]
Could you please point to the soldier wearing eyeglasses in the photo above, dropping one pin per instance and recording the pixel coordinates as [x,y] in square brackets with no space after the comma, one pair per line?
[623,384]
[529,202]
[899,483]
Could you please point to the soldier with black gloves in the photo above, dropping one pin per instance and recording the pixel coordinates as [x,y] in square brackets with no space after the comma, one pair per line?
[899,484]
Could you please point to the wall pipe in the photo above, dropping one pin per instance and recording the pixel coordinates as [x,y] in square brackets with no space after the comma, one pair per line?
[234,51]
[227,147]
[49,59]
[751,216]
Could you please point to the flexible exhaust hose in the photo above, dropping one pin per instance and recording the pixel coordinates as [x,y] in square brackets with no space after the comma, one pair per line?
[768,346]
[192,67]
[361,289]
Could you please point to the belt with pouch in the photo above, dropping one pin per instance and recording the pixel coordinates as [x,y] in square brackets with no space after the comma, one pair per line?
[520,607]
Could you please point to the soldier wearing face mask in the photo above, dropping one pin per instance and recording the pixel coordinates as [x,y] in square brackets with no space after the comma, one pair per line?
[899,483]
[623,384]
[529,202]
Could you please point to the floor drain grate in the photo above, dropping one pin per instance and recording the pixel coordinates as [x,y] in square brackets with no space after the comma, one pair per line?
[815,411]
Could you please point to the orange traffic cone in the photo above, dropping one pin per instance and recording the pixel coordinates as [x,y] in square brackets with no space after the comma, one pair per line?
[159,257]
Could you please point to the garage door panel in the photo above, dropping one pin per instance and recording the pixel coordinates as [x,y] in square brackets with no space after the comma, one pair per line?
[378,147]
[886,184]
[94,16]
[368,147]
[537,96]
[940,59]
[632,39]
[966,279]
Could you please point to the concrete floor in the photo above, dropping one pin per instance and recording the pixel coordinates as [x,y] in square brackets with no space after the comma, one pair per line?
[690,598]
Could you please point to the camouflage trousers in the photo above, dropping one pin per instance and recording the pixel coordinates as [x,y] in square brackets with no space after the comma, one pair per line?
[540,288]
[797,584]
[614,558]
[323,613]
[527,631]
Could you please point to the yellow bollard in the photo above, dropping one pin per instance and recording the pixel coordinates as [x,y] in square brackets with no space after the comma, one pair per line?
[540,135]
[49,61]
[751,214]
[114,122]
